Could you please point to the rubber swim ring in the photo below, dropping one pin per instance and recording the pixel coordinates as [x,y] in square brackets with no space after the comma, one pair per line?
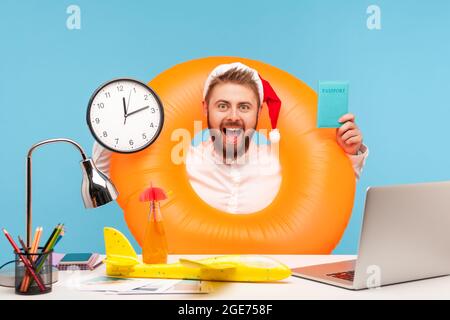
[313,205]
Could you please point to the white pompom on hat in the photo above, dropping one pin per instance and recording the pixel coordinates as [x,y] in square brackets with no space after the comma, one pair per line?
[265,90]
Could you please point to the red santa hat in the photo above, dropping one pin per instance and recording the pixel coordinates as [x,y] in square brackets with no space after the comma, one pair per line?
[265,90]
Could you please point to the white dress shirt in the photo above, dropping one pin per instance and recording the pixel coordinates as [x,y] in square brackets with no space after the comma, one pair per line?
[244,185]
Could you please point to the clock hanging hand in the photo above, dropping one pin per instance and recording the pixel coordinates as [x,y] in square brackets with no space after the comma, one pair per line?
[124,111]
[138,110]
[126,108]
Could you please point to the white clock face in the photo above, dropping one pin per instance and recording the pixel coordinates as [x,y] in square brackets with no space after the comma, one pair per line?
[125,115]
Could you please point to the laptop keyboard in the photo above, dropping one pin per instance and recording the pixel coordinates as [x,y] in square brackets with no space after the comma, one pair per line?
[346,275]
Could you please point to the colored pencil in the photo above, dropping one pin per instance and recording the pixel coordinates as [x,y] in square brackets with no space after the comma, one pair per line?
[60,235]
[36,240]
[34,248]
[26,275]
[24,246]
[55,237]
[25,261]
[51,236]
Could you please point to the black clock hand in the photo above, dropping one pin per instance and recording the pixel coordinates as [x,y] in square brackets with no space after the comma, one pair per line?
[124,107]
[138,110]
[124,111]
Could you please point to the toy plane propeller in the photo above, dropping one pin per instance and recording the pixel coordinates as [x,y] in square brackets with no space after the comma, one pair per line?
[122,261]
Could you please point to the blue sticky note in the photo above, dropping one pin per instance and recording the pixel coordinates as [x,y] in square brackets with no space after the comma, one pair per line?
[333,103]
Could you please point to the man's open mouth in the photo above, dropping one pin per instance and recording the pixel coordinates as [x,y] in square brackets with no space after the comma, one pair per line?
[232,134]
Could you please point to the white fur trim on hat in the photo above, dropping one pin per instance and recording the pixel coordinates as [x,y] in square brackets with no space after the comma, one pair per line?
[221,69]
[274,136]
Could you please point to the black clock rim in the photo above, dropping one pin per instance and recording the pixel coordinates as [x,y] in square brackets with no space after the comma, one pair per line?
[88,115]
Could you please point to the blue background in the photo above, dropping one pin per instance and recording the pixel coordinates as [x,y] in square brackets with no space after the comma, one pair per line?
[399,84]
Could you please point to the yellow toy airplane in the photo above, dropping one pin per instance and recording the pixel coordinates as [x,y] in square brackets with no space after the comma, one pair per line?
[122,261]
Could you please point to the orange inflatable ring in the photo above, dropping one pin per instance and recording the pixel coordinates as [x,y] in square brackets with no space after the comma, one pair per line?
[311,209]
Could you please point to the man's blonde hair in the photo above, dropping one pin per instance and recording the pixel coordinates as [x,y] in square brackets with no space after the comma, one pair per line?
[237,76]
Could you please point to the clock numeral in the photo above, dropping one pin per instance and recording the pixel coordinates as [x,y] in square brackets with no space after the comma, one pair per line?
[144,136]
[117,140]
[145,96]
[100,105]
[108,95]
[131,142]
[105,134]
[134,89]
[120,88]
[153,110]
[97,120]
[152,125]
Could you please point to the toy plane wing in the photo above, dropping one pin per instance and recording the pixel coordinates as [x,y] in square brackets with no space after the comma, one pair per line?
[121,261]
[199,264]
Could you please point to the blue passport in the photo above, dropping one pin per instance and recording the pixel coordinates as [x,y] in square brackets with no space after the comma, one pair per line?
[333,103]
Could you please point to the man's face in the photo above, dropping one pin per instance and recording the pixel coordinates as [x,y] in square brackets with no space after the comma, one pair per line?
[232,116]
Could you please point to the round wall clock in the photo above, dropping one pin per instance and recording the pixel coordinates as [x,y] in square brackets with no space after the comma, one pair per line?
[125,115]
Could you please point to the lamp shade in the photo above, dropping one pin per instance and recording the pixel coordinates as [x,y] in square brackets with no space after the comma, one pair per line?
[96,188]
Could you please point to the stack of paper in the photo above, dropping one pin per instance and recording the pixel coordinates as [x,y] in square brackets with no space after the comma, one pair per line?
[127,286]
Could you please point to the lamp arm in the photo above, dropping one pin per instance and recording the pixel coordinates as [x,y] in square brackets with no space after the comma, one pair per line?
[36,145]
[29,171]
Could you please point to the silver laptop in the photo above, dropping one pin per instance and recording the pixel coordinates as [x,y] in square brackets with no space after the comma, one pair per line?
[405,236]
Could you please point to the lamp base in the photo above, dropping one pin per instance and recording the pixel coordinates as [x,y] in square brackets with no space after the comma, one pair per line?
[7,276]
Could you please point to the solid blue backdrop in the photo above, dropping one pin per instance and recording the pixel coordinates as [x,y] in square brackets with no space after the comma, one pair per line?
[399,84]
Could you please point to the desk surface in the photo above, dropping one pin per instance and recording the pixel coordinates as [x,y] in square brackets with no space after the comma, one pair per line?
[292,288]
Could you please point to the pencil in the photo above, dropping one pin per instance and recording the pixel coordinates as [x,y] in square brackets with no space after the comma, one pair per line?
[60,236]
[51,237]
[34,248]
[55,237]
[25,276]
[36,240]
[25,261]
[24,246]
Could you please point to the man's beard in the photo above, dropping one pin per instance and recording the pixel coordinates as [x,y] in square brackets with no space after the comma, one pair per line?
[225,139]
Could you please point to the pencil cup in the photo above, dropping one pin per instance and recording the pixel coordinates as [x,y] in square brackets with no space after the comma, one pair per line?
[25,282]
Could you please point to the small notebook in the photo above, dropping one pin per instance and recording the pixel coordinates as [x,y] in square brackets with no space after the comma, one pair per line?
[75,258]
[81,261]
[333,103]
